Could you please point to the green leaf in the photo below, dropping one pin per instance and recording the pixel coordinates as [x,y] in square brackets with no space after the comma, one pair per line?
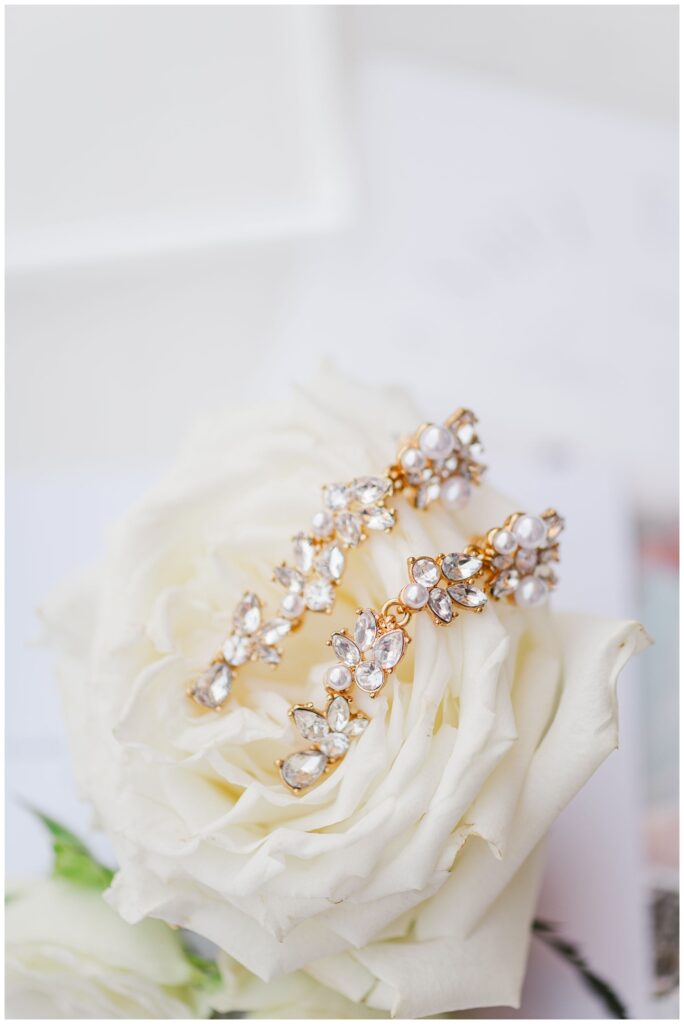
[73,860]
[208,970]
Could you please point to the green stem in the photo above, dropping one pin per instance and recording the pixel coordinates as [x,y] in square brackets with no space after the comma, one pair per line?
[546,931]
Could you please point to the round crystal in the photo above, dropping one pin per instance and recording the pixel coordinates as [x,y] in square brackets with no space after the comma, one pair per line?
[336,497]
[319,595]
[338,677]
[425,571]
[334,745]
[436,442]
[369,677]
[414,595]
[504,542]
[529,531]
[530,591]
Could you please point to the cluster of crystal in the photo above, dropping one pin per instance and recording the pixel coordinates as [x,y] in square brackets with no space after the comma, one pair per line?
[329,731]
[442,461]
[441,585]
[521,556]
[368,657]
[319,557]
[251,639]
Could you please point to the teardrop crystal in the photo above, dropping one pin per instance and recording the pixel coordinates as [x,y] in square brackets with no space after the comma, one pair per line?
[338,714]
[213,687]
[368,490]
[291,579]
[348,528]
[461,567]
[440,604]
[269,655]
[365,629]
[335,497]
[330,562]
[505,583]
[303,552]
[247,615]
[275,630]
[301,770]
[388,649]
[238,649]
[427,493]
[467,596]
[378,518]
[345,649]
[311,725]
[356,726]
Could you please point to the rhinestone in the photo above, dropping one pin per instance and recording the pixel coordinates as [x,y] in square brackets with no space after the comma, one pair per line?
[555,525]
[338,713]
[348,527]
[310,724]
[356,726]
[531,591]
[291,579]
[501,562]
[435,442]
[369,677]
[465,434]
[504,542]
[505,583]
[319,595]
[455,492]
[336,497]
[525,560]
[388,649]
[275,630]
[345,649]
[467,596]
[247,615]
[529,531]
[425,571]
[303,551]
[238,649]
[461,567]
[368,490]
[322,524]
[268,654]
[412,460]
[551,554]
[477,451]
[440,604]
[213,687]
[334,745]
[330,562]
[292,606]
[378,518]
[414,595]
[302,769]
[365,629]
[428,493]
[338,677]
[547,573]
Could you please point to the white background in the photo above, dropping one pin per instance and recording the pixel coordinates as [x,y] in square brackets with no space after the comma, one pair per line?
[477,203]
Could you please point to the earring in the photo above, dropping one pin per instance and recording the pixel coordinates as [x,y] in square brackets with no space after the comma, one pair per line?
[438,460]
[526,545]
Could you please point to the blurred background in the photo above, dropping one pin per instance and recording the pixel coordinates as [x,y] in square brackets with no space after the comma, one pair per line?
[477,203]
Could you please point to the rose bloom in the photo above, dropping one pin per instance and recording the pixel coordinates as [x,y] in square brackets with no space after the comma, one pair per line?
[69,955]
[406,881]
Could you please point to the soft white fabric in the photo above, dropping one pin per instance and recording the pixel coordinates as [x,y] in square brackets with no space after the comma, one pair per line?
[408,878]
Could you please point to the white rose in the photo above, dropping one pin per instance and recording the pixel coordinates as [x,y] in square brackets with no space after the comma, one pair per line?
[407,880]
[69,955]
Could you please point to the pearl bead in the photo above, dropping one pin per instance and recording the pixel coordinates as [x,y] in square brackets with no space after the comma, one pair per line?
[292,606]
[455,492]
[322,524]
[530,591]
[414,595]
[436,442]
[504,542]
[530,531]
[338,677]
[412,460]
